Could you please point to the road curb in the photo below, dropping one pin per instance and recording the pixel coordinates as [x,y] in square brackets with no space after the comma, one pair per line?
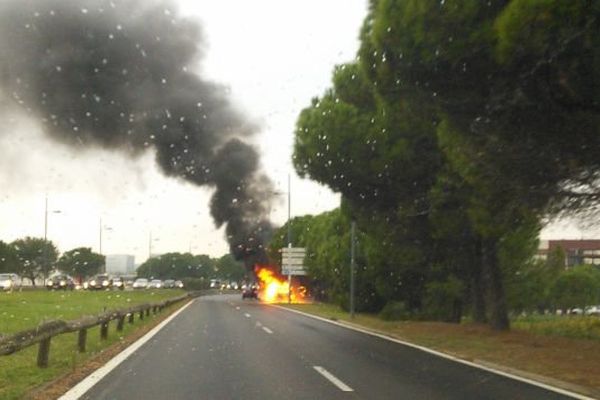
[554,385]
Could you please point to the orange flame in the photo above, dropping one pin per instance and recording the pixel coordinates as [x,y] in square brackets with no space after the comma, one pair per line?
[274,288]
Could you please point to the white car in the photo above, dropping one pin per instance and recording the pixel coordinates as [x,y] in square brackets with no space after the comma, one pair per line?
[140,283]
[155,284]
[593,310]
[10,281]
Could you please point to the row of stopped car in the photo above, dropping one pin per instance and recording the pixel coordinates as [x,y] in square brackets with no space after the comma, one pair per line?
[143,283]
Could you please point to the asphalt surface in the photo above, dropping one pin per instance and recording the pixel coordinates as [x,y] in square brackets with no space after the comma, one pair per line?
[221,347]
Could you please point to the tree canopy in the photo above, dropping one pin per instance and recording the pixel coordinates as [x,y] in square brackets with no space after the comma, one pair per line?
[81,262]
[459,128]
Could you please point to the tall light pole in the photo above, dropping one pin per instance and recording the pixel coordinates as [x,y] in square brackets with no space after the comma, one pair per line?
[100,229]
[45,250]
[352,266]
[289,233]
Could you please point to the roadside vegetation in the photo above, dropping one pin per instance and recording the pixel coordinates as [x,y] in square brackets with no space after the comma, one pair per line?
[24,310]
[451,150]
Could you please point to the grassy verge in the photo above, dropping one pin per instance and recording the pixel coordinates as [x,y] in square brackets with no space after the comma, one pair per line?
[18,311]
[575,361]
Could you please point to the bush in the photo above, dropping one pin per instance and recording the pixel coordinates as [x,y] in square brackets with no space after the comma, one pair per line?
[443,300]
[195,283]
[395,311]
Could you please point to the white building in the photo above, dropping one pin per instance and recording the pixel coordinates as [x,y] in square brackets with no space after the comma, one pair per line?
[120,264]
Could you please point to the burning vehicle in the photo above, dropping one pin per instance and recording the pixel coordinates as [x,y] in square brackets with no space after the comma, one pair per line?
[276,288]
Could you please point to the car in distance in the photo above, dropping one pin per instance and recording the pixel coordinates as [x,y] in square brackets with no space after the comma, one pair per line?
[118,283]
[140,283]
[593,310]
[99,282]
[168,284]
[60,282]
[179,284]
[155,284]
[251,292]
[10,281]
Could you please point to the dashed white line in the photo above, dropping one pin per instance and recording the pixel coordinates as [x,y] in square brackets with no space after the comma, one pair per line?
[341,385]
[443,355]
[237,308]
[246,315]
[270,332]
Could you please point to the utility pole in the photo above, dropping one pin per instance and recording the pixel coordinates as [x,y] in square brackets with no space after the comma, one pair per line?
[289,233]
[100,237]
[352,266]
[46,220]
[150,245]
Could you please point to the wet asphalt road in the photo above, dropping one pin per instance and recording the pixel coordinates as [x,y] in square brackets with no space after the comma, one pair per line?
[221,347]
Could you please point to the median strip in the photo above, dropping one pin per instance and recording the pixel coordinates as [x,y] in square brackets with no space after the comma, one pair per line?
[331,378]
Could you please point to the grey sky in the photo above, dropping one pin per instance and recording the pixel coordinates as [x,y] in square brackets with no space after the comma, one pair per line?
[273,55]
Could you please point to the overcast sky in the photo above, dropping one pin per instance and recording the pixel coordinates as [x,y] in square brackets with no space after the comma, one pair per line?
[273,55]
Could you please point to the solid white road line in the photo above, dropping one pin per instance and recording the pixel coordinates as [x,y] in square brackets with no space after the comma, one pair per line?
[246,315]
[270,332]
[341,385]
[443,355]
[86,384]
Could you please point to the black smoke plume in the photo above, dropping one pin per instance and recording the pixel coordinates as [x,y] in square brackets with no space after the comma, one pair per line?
[118,75]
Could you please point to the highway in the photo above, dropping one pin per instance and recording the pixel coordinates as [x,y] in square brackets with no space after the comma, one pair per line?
[221,347]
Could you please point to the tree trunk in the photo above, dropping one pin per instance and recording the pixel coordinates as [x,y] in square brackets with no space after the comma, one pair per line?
[477,287]
[498,307]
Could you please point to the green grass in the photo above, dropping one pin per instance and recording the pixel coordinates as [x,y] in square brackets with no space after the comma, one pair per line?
[575,326]
[19,311]
[24,310]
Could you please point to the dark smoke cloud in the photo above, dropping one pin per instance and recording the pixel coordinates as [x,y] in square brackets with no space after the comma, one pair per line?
[117,74]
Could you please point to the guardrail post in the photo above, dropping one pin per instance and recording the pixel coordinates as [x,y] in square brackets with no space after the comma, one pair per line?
[148,311]
[43,353]
[131,317]
[104,331]
[120,323]
[81,340]
[141,314]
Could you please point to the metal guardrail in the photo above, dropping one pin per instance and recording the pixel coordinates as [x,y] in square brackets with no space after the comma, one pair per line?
[44,332]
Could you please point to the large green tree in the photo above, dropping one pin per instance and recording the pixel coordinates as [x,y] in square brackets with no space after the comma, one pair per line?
[81,262]
[36,257]
[516,87]
[177,266]
[8,258]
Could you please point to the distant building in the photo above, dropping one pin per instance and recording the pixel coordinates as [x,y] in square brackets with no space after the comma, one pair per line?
[120,264]
[577,252]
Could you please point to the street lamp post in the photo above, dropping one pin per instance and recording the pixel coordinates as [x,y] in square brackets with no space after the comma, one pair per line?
[100,229]
[45,249]
[289,233]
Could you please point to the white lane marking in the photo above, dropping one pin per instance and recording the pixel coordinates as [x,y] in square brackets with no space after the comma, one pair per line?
[443,355]
[341,385]
[237,308]
[82,387]
[246,315]
[258,324]
[270,332]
